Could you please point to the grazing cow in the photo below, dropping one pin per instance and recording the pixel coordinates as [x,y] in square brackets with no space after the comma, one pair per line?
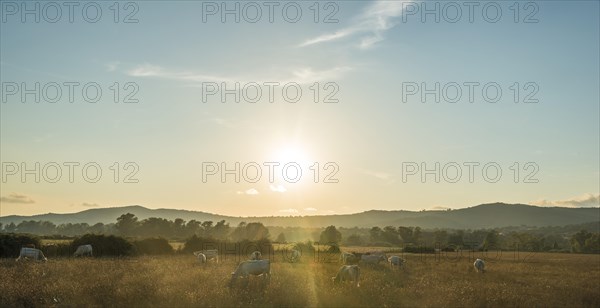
[201,257]
[348,273]
[295,256]
[479,265]
[396,261]
[346,258]
[32,253]
[256,255]
[209,254]
[252,267]
[83,250]
[372,259]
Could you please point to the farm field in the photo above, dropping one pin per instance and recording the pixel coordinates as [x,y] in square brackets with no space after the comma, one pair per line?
[542,279]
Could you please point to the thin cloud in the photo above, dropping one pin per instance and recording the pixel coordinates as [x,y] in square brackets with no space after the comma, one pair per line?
[300,75]
[251,191]
[150,70]
[277,188]
[112,66]
[17,198]
[289,211]
[586,200]
[85,204]
[310,209]
[374,21]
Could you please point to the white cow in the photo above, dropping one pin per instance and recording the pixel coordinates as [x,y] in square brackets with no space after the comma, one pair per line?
[295,256]
[479,265]
[372,259]
[256,255]
[346,257]
[201,257]
[348,273]
[208,254]
[83,250]
[252,267]
[32,253]
[396,261]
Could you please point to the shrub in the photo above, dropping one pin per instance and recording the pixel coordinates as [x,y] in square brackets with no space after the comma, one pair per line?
[57,250]
[418,249]
[11,243]
[153,246]
[305,246]
[196,243]
[104,245]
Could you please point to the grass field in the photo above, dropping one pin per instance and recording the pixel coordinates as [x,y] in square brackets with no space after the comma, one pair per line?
[567,280]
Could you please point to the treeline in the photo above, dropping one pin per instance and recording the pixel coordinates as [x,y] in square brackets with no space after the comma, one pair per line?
[573,238]
[486,239]
[49,228]
[129,225]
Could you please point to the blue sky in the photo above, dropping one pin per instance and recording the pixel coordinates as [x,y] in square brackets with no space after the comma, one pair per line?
[370,133]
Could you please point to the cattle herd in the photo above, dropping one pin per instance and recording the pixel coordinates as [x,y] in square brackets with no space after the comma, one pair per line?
[257,266]
[349,271]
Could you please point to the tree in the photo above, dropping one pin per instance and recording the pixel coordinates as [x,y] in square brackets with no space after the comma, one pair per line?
[406,233]
[584,241]
[97,228]
[376,234]
[221,230]
[253,231]
[592,244]
[416,234]
[10,228]
[390,235]
[330,236]
[440,237]
[155,226]
[281,238]
[127,224]
[178,227]
[491,240]
[192,227]
[256,231]
[456,238]
[354,240]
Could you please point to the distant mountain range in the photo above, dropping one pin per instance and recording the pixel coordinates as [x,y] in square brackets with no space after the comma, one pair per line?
[493,215]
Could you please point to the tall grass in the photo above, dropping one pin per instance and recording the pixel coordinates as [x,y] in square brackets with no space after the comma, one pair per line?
[566,280]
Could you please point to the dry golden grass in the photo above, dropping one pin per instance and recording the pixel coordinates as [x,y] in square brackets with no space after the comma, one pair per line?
[565,280]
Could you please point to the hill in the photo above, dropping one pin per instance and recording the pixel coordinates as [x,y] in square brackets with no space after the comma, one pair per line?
[493,215]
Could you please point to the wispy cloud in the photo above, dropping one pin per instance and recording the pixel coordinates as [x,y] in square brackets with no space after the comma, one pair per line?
[251,191]
[150,70]
[289,211]
[277,188]
[112,66]
[439,208]
[300,75]
[369,26]
[310,209]
[17,198]
[85,204]
[586,200]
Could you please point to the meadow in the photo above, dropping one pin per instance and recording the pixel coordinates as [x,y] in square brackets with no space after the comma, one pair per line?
[541,279]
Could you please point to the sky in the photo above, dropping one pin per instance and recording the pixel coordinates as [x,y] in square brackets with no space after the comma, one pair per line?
[340,107]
